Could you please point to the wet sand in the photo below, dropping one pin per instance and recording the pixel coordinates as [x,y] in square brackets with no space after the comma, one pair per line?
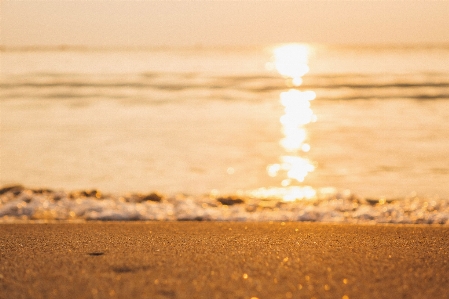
[223,260]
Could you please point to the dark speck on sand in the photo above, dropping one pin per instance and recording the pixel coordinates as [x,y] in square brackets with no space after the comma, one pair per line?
[223,260]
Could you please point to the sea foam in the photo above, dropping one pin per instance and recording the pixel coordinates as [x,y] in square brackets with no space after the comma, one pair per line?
[22,204]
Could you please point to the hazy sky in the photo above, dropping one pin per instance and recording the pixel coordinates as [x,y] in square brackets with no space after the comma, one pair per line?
[155,23]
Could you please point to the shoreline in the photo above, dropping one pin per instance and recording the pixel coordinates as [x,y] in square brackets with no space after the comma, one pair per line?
[223,260]
[20,204]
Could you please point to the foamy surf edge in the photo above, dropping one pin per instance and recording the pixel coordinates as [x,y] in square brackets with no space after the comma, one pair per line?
[18,204]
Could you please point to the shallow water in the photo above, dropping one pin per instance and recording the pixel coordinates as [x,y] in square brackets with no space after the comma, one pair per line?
[202,120]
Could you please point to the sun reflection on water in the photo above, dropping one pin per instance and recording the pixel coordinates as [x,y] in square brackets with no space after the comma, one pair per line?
[291,62]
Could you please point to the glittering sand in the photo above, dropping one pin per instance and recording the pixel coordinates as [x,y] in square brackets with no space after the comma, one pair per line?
[223,260]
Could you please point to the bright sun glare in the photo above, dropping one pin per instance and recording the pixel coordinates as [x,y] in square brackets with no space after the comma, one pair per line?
[291,62]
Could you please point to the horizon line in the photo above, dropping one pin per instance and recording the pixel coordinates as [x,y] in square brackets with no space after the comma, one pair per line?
[74,47]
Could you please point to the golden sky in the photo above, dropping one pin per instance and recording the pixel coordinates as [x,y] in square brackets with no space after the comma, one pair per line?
[181,23]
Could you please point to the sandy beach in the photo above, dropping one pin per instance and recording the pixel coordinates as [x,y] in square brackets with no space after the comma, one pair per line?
[223,260]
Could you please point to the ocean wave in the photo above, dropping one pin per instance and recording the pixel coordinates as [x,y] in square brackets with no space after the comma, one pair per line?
[22,204]
[188,81]
[340,87]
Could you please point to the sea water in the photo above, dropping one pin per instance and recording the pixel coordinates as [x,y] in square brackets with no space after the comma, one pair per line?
[200,124]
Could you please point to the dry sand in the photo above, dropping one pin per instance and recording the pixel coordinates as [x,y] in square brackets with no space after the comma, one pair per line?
[223,260]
